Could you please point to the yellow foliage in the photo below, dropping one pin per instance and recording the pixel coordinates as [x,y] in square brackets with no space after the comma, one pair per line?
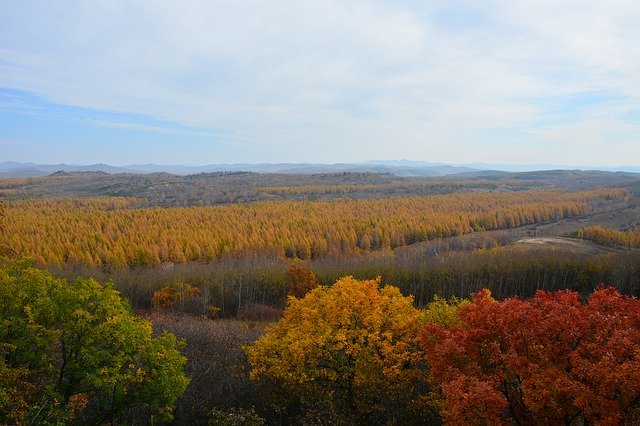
[443,312]
[115,231]
[353,343]
[613,237]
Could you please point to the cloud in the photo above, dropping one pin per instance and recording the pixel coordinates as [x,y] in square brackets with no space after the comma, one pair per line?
[363,78]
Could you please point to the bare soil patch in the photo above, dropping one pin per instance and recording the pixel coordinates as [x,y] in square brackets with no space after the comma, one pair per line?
[624,218]
[575,244]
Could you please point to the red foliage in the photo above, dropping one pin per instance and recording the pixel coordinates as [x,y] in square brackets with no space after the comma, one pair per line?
[549,360]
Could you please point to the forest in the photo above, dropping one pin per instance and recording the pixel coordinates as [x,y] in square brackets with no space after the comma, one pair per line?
[629,238]
[112,231]
[348,298]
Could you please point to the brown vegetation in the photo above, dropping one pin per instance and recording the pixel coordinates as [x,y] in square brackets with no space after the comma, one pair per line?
[216,365]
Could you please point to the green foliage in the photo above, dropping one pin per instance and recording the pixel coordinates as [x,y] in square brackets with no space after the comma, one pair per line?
[79,352]
[443,312]
[13,388]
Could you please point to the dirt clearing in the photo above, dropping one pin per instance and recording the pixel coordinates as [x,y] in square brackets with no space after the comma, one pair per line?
[581,246]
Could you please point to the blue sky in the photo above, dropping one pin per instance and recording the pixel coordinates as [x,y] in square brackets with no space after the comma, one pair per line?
[200,82]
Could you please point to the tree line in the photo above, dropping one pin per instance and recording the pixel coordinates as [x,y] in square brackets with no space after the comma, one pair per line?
[353,352]
[168,190]
[252,285]
[613,237]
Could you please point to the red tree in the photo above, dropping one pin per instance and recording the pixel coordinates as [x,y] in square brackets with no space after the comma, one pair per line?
[547,360]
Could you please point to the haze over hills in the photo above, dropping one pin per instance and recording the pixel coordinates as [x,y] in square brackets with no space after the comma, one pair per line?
[403,168]
[15,169]
[399,168]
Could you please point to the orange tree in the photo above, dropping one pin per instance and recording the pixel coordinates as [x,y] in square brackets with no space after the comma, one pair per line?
[301,280]
[346,353]
[547,360]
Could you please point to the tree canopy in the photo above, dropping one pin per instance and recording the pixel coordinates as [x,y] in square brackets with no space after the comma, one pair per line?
[112,231]
[629,238]
[348,352]
[545,360]
[75,351]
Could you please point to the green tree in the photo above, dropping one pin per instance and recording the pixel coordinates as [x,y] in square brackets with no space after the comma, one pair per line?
[13,389]
[346,353]
[76,351]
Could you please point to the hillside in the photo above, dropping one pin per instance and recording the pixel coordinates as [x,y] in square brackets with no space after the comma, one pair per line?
[164,189]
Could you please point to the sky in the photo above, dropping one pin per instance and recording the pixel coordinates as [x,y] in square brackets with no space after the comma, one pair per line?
[207,82]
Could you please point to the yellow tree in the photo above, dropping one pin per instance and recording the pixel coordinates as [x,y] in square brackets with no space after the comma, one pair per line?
[346,353]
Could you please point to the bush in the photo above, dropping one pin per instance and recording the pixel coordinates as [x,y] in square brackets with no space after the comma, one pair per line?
[235,417]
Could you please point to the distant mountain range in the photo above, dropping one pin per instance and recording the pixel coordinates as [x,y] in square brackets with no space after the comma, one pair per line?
[13,169]
[404,168]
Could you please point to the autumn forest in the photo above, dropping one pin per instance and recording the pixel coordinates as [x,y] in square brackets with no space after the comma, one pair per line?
[347,298]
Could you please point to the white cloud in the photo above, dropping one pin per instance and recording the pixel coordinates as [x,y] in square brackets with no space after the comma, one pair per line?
[362,78]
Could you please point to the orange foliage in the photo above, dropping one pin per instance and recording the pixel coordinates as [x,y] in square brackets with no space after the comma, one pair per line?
[77,403]
[630,238]
[112,231]
[168,297]
[547,360]
[163,298]
[302,280]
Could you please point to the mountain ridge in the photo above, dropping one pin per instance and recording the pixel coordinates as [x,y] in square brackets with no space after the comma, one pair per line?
[402,168]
